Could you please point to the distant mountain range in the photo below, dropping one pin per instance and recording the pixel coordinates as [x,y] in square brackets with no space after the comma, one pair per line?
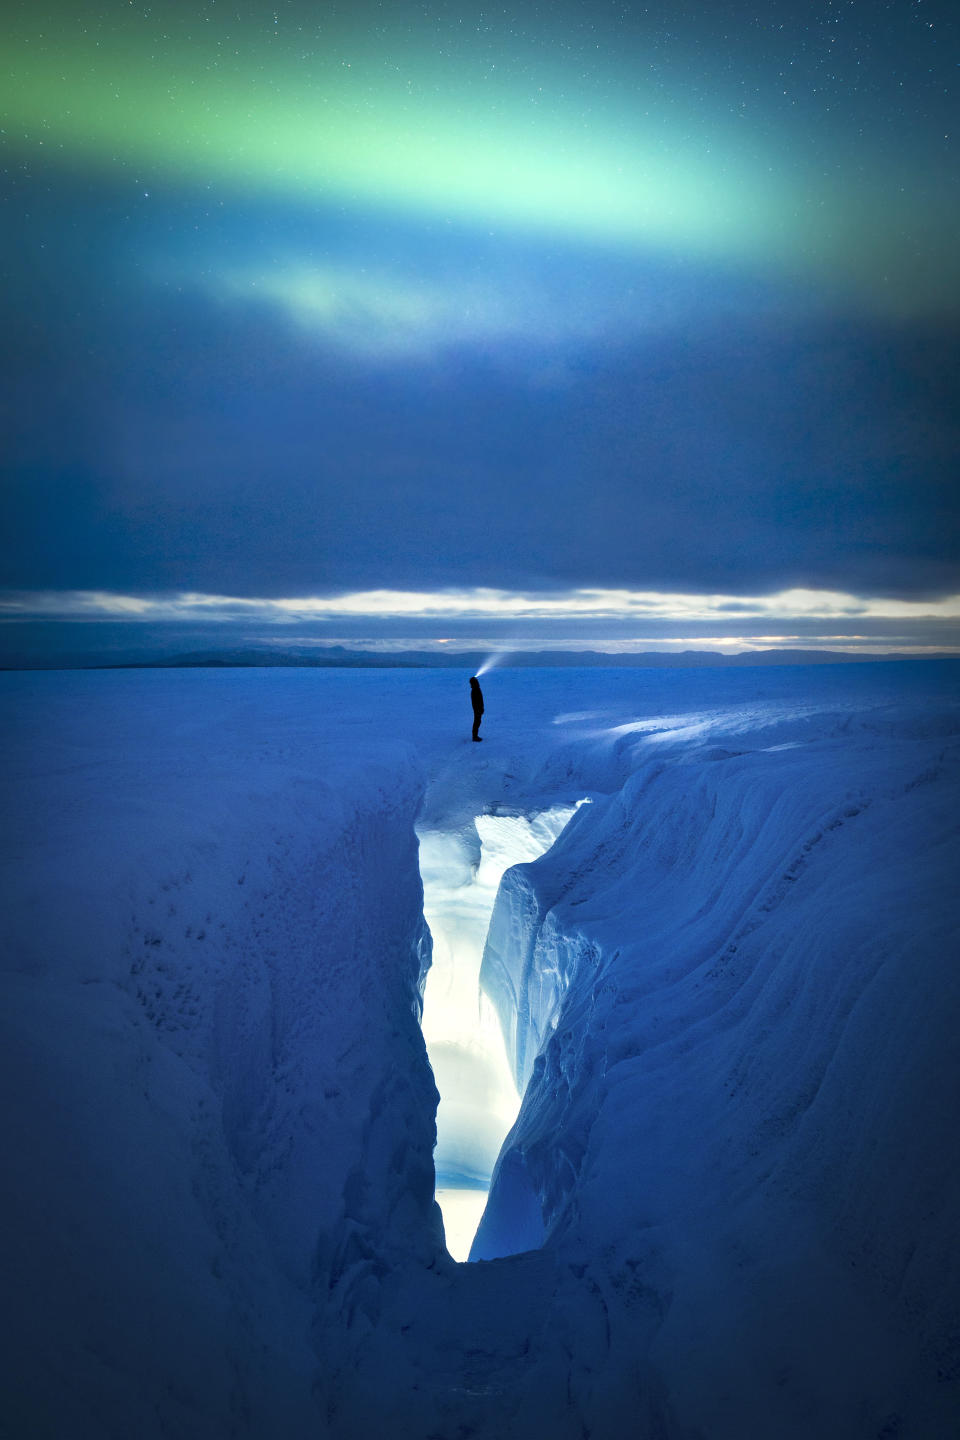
[337,657]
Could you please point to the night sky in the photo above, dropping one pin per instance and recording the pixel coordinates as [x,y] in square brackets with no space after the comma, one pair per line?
[533,324]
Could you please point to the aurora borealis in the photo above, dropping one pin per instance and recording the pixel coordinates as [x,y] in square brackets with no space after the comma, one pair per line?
[309,300]
[718,130]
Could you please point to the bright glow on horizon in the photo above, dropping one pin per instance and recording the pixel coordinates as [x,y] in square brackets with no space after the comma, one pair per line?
[490,623]
[477,603]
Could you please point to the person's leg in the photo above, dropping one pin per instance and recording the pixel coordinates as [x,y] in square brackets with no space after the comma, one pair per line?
[476,726]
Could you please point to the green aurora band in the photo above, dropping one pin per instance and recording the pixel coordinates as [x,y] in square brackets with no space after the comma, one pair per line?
[456,121]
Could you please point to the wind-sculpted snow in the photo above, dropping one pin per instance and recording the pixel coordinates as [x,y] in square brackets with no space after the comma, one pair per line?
[731,988]
[743,967]
[214,1079]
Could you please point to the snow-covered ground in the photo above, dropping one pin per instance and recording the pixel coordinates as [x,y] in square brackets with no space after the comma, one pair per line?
[730,992]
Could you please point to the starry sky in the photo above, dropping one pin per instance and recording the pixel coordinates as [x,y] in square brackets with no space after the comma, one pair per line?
[535,324]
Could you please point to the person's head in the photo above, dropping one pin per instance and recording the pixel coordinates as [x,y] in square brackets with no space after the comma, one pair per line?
[474,682]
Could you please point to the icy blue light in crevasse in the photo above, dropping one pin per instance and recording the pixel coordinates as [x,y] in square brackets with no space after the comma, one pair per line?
[478,1097]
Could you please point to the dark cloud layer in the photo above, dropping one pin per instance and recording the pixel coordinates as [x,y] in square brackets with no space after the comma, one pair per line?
[644,424]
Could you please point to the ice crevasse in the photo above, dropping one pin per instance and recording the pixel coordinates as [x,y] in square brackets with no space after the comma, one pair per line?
[729,996]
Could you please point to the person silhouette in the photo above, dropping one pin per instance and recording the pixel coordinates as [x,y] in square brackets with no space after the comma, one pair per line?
[476,700]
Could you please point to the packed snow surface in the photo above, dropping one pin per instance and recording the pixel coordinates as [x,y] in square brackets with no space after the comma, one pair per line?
[728,993]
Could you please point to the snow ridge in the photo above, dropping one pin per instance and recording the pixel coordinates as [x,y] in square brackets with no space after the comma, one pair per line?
[734,974]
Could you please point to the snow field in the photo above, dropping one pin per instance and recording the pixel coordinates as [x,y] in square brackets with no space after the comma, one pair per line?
[730,987]
[199,952]
[765,1105]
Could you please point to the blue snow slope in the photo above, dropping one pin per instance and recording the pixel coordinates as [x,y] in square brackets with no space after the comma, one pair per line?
[729,992]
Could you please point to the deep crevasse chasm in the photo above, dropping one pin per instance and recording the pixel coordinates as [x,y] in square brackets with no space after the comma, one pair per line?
[726,1206]
[729,995]
[461,871]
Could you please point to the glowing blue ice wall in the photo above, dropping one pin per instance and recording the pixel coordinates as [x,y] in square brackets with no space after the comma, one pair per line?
[461,873]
